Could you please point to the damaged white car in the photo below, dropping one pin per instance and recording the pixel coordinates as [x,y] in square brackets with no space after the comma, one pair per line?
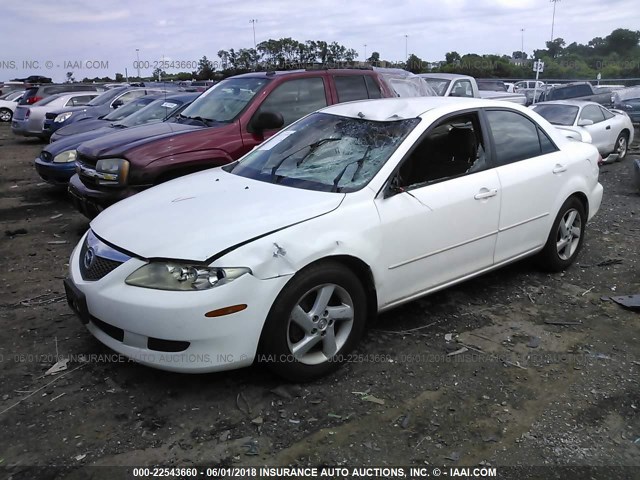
[283,256]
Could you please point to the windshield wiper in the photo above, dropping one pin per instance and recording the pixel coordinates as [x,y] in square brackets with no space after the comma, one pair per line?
[312,147]
[360,162]
[118,125]
[204,121]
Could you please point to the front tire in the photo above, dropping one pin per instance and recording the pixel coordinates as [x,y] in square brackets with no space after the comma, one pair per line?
[566,237]
[5,115]
[314,323]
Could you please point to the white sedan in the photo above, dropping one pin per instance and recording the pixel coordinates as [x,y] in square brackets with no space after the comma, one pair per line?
[611,131]
[8,104]
[282,257]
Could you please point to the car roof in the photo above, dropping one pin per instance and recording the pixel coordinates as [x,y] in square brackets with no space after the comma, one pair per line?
[390,109]
[183,96]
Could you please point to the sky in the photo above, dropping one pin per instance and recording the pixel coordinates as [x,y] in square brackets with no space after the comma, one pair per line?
[101,38]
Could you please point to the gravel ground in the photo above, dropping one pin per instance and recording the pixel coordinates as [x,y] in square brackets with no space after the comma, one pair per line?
[525,392]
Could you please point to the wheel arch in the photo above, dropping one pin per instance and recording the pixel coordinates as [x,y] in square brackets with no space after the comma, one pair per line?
[583,199]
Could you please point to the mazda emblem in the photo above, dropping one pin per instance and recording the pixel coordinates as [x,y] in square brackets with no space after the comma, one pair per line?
[89,257]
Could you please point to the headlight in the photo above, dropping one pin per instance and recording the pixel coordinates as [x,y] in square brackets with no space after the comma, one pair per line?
[176,276]
[65,157]
[62,117]
[112,171]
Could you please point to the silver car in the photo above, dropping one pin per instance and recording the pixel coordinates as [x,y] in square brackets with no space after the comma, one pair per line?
[610,131]
[28,120]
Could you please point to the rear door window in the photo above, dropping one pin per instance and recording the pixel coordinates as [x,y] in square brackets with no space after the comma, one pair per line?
[516,138]
[351,87]
[294,99]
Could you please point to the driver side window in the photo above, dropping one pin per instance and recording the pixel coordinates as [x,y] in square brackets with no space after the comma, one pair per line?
[452,148]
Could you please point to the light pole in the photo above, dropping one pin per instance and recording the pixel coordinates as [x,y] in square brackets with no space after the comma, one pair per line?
[553,19]
[138,58]
[365,52]
[253,24]
[406,42]
[522,45]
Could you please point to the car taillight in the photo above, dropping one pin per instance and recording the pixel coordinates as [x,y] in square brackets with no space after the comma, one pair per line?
[33,100]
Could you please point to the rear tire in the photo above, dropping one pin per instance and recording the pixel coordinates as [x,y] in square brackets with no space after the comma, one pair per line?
[5,115]
[622,146]
[314,323]
[566,237]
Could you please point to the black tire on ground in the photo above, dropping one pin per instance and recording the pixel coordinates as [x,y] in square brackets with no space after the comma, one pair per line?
[337,296]
[622,145]
[5,115]
[565,238]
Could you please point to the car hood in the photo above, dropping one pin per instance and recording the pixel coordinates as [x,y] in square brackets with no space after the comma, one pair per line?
[80,127]
[200,215]
[115,145]
[72,142]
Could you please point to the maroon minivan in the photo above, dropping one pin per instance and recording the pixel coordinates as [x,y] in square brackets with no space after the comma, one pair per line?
[220,126]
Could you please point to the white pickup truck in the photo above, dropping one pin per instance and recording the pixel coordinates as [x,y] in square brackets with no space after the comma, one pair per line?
[453,85]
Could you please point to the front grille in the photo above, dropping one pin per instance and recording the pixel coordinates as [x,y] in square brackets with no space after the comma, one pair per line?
[93,260]
[46,156]
[98,267]
[88,161]
[51,116]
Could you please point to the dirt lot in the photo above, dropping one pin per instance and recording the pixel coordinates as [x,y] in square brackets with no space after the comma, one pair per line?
[526,392]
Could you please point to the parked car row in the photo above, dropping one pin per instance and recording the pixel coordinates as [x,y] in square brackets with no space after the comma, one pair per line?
[56,163]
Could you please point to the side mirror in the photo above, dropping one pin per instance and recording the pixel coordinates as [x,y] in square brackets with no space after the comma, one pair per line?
[584,122]
[117,103]
[267,121]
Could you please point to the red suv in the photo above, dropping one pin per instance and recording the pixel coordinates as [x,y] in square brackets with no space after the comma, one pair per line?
[220,126]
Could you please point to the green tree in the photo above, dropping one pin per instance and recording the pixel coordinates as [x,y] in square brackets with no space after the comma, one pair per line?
[205,69]
[415,64]
[374,59]
[452,57]
[70,77]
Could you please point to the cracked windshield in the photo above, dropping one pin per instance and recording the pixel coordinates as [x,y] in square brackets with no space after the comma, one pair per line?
[326,152]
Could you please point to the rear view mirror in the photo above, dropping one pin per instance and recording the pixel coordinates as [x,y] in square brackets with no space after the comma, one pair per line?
[267,121]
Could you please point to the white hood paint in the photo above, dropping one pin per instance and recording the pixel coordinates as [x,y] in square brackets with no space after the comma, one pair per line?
[200,215]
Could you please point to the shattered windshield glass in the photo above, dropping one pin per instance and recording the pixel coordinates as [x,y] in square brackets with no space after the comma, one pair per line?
[325,152]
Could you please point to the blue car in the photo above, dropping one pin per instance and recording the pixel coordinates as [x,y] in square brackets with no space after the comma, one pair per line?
[116,115]
[56,162]
[99,106]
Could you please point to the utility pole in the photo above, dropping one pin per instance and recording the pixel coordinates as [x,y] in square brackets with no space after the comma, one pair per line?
[522,45]
[138,58]
[553,19]
[365,52]
[253,24]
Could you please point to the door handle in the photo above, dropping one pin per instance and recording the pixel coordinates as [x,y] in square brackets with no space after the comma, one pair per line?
[485,193]
[559,168]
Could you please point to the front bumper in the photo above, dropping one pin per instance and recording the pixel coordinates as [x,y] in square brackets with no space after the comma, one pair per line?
[91,202]
[169,330]
[57,174]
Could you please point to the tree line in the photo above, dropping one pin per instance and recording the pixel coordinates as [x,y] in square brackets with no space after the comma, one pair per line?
[615,56]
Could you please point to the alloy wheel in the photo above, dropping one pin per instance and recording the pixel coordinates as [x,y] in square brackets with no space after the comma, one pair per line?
[568,235]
